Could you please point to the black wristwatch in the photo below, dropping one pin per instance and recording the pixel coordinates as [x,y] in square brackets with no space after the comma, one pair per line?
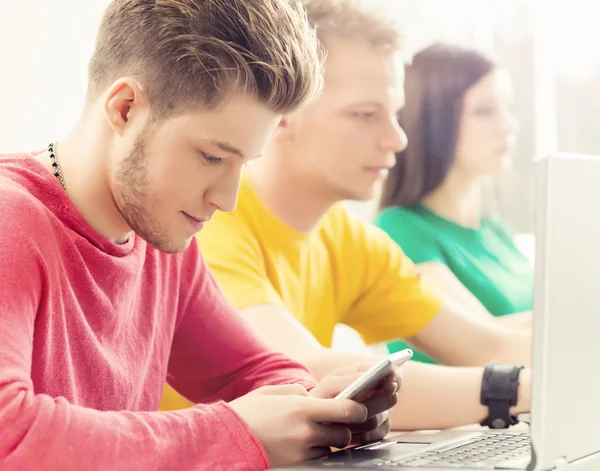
[499,392]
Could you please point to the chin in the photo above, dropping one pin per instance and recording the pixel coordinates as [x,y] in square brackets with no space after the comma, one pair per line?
[170,245]
[182,246]
[358,194]
[505,163]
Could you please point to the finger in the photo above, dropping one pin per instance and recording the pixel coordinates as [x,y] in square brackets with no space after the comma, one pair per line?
[372,423]
[399,374]
[380,402]
[341,411]
[331,435]
[282,390]
[373,435]
[332,385]
[391,384]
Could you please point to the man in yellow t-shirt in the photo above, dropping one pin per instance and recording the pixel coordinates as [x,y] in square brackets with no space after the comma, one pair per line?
[341,271]
[296,263]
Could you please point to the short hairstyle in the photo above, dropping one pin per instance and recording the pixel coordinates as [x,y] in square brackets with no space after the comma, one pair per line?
[361,20]
[435,85]
[190,53]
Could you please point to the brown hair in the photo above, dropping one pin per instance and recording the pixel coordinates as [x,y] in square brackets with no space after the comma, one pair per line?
[435,84]
[355,19]
[189,53]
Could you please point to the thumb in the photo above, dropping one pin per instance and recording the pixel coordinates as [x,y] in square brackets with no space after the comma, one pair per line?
[332,385]
[340,411]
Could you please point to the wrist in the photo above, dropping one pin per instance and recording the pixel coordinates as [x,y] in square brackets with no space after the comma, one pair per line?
[524,395]
[500,393]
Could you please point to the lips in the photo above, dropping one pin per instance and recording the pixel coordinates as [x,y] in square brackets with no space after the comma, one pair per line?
[195,223]
[378,172]
[198,220]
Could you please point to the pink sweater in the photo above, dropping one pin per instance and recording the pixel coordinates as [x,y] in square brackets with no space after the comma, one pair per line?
[89,331]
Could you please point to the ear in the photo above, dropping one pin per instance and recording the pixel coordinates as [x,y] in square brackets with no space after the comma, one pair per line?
[125,103]
[285,129]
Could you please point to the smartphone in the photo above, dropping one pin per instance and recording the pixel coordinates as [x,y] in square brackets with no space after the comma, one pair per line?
[372,377]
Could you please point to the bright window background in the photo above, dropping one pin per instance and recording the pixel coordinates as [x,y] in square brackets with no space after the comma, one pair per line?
[549,46]
[44,50]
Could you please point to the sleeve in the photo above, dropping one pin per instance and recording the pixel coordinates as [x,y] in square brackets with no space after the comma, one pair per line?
[235,258]
[40,432]
[406,229]
[215,355]
[395,302]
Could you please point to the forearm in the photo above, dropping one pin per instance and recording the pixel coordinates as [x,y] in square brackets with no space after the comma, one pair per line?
[438,397]
[218,356]
[515,348]
[455,338]
[45,433]
[517,321]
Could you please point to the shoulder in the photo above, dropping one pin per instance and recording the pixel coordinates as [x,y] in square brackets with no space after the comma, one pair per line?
[397,217]
[419,238]
[406,225]
[341,225]
[28,215]
[27,237]
[353,233]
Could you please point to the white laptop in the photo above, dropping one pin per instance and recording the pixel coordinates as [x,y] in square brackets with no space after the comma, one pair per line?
[565,415]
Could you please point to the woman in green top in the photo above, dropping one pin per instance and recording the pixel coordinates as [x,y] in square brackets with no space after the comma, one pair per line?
[460,132]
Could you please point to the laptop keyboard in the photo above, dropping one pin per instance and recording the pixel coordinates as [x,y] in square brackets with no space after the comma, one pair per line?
[488,451]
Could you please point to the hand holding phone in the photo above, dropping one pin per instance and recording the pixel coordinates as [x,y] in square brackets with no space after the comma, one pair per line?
[372,377]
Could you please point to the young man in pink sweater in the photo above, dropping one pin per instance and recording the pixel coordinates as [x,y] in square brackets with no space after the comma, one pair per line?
[102,294]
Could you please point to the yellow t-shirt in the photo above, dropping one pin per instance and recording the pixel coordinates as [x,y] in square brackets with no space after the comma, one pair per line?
[344,271]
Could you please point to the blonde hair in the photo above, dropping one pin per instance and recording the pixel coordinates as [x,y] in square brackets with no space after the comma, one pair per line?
[190,53]
[362,20]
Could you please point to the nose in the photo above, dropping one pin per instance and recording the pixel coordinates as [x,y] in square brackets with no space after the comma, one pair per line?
[223,192]
[510,124]
[395,139]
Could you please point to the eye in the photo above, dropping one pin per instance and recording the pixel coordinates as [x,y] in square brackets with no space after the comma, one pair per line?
[484,111]
[211,159]
[365,115]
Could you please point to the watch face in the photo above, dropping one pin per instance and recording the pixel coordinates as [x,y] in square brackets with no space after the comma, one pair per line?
[498,423]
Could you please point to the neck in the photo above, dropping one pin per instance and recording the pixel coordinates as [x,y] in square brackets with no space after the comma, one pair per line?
[291,196]
[82,157]
[457,199]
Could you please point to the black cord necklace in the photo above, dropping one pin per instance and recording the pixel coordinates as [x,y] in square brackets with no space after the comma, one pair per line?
[55,165]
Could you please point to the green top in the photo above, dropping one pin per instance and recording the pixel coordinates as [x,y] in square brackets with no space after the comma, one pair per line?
[485,260]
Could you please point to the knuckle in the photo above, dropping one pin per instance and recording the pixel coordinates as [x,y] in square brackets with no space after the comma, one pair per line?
[351,411]
[302,434]
[306,433]
[298,413]
[346,411]
[297,389]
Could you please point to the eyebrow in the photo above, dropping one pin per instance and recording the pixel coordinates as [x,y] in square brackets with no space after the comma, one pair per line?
[376,104]
[228,148]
